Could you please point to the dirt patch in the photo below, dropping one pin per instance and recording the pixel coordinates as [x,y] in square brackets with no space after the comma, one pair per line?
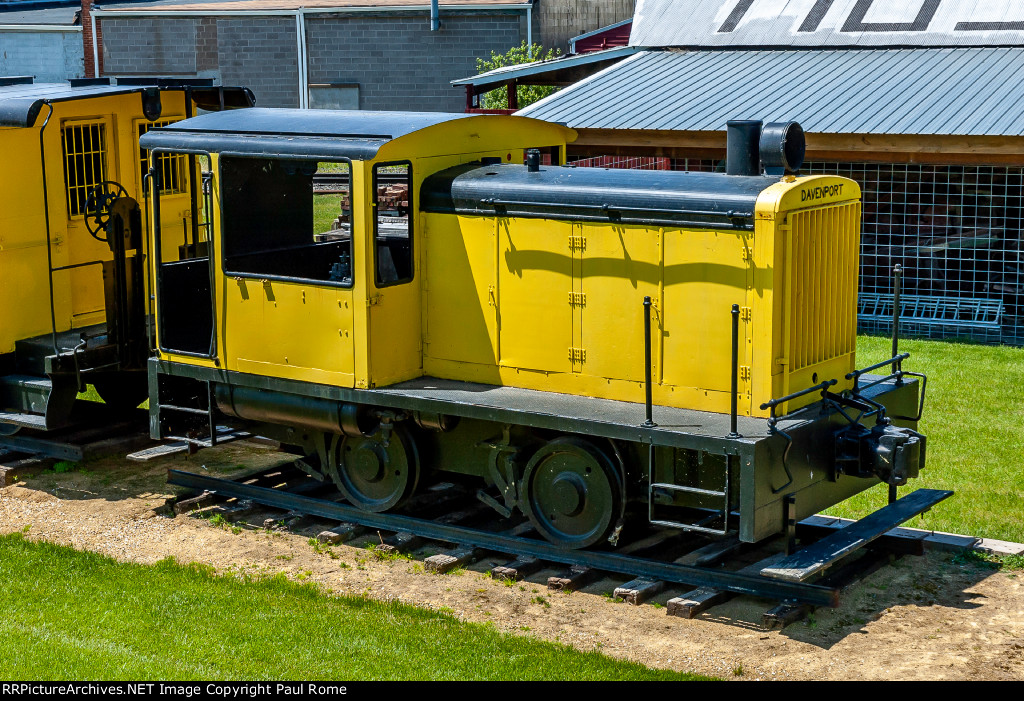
[921,618]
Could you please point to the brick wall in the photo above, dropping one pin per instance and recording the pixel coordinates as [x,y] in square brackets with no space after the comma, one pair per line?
[399,63]
[51,57]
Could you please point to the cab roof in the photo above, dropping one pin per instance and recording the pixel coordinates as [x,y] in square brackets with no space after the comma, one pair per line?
[303,133]
[21,99]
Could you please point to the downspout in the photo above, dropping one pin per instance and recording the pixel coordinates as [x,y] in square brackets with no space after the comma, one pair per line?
[300,38]
[529,25]
[95,46]
[435,16]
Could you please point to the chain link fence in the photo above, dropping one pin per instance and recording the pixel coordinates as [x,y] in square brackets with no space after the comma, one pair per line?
[956,230]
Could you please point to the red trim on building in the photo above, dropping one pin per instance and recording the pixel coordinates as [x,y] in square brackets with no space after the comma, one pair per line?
[608,39]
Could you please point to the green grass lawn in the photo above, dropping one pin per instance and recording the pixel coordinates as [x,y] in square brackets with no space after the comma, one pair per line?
[974,421]
[77,615]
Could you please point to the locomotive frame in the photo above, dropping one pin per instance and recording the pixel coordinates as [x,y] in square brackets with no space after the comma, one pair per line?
[364,394]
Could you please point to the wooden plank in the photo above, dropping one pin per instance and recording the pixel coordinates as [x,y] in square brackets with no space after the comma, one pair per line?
[638,590]
[816,557]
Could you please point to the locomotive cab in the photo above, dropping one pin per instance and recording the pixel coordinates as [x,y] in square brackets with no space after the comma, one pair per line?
[72,244]
[394,295]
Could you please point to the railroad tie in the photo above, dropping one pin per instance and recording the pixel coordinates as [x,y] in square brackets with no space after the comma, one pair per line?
[517,569]
[690,604]
[342,533]
[638,590]
[14,470]
[242,509]
[399,543]
[694,602]
[784,614]
[577,578]
[195,503]
[446,562]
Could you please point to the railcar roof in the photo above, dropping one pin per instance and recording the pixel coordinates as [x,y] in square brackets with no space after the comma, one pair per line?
[293,133]
[672,198]
[20,102]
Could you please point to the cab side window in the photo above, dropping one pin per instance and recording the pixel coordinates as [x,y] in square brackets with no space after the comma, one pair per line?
[287,220]
[392,223]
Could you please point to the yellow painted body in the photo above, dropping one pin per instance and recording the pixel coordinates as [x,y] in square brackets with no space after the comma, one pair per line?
[78,292]
[557,305]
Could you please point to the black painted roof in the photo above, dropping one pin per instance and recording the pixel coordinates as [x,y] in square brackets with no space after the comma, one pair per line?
[312,134]
[673,198]
[20,103]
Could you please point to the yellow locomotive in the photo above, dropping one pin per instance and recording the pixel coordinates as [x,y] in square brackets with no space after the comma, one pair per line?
[591,346]
[74,303]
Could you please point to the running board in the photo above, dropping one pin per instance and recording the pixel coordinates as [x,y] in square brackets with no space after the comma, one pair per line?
[805,563]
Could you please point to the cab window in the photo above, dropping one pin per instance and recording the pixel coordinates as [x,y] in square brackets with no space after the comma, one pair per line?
[392,223]
[287,220]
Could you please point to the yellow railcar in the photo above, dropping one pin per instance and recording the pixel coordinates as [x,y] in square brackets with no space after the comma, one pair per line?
[70,150]
[459,311]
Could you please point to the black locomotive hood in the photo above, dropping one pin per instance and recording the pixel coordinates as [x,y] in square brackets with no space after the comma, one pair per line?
[663,198]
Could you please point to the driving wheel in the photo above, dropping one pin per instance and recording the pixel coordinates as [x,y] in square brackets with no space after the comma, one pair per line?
[572,492]
[374,476]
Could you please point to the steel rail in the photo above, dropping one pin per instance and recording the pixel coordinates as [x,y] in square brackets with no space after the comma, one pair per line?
[812,594]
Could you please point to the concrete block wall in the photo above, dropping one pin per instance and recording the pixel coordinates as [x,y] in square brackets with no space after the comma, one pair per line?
[52,57]
[398,63]
[260,53]
[256,52]
[149,46]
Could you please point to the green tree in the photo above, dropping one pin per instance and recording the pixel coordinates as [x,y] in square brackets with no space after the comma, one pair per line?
[526,94]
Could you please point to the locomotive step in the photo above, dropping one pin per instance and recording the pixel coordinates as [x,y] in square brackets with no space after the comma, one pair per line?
[184,445]
[36,421]
[813,559]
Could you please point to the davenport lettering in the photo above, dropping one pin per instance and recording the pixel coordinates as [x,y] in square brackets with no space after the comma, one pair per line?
[817,193]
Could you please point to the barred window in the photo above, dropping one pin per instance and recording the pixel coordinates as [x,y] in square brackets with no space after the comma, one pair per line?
[173,166]
[85,163]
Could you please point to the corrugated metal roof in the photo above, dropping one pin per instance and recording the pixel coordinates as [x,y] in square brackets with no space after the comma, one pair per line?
[827,23]
[968,92]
